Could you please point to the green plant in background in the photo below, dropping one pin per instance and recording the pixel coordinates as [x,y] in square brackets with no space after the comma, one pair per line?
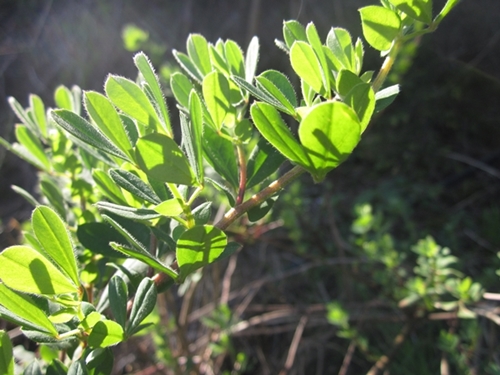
[126,210]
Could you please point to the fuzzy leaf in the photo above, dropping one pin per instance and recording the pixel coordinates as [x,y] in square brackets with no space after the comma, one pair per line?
[108,186]
[181,88]
[33,146]
[317,45]
[380,26]
[197,49]
[263,162]
[339,42]
[260,93]
[144,302]
[118,298]
[130,182]
[234,58]
[186,64]
[251,59]
[169,208]
[196,133]
[217,97]
[63,98]
[38,108]
[293,31]
[306,65]
[141,214]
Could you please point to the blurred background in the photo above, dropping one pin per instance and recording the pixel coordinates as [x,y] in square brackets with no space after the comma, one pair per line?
[428,165]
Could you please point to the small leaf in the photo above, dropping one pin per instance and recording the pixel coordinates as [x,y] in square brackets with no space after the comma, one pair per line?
[144,65]
[118,296]
[51,232]
[53,194]
[144,302]
[293,31]
[27,196]
[217,98]
[132,183]
[339,42]
[102,112]
[63,315]
[97,236]
[33,369]
[217,58]
[202,213]
[197,49]
[169,208]
[39,114]
[141,214]
[129,98]
[380,26]
[6,356]
[346,81]
[32,145]
[186,64]
[196,133]
[108,186]
[262,163]
[83,130]
[276,85]
[450,4]
[234,58]
[198,247]
[306,65]
[385,97]
[181,88]
[315,41]
[258,212]
[358,56]
[362,99]
[420,10]
[22,114]
[259,93]
[272,127]
[63,98]
[23,153]
[329,133]
[56,367]
[219,153]
[26,270]
[105,333]
[161,158]
[251,59]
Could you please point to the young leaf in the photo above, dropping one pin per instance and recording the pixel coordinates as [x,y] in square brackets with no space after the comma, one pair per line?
[315,41]
[362,99]
[306,65]
[130,182]
[53,194]
[380,26]
[141,214]
[329,133]
[217,97]
[63,98]
[23,193]
[105,333]
[202,213]
[39,114]
[169,208]
[346,81]
[181,88]
[420,10]
[272,127]
[263,162]
[144,302]
[159,156]
[102,112]
[196,133]
[51,232]
[108,186]
[217,58]
[276,85]
[83,130]
[293,31]
[219,153]
[6,356]
[186,64]
[251,59]
[22,114]
[26,270]
[130,99]
[385,97]
[22,152]
[118,296]
[358,56]
[144,65]
[198,247]
[33,145]
[259,93]
[234,58]
[197,49]
[339,42]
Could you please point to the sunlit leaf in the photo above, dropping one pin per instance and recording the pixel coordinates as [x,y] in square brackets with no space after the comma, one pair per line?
[380,26]
[6,355]
[306,65]
[105,333]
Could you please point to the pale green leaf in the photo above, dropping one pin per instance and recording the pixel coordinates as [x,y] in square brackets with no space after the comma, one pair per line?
[169,208]
[362,99]
[33,145]
[118,298]
[217,97]
[420,10]
[181,88]
[186,64]
[105,333]
[197,49]
[306,65]
[63,98]
[339,42]
[251,59]
[39,114]
[317,45]
[380,26]
[293,31]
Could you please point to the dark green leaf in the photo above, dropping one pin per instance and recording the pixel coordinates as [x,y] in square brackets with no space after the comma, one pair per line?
[262,163]
[198,247]
[202,213]
[144,302]
[97,236]
[56,368]
[132,183]
[128,212]
[33,369]
[258,212]
[385,97]
[83,130]
[6,356]
[224,188]
[259,93]
[108,186]
[161,158]
[118,296]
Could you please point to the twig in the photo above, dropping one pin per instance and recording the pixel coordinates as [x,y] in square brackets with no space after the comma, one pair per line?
[348,358]
[292,352]
[474,163]
[226,282]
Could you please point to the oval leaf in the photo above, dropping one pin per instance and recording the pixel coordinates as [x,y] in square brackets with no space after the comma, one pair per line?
[105,333]
[217,97]
[380,26]
[306,65]
[144,302]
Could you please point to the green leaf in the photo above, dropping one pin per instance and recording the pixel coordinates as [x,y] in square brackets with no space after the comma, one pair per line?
[33,145]
[22,114]
[142,214]
[258,212]
[273,128]
[217,58]
[132,183]
[26,270]
[293,31]
[144,303]
[39,114]
[346,81]
[217,97]
[259,93]
[181,88]
[306,65]
[169,208]
[129,98]
[105,333]
[56,368]
[420,10]
[27,196]
[220,154]
[358,56]
[6,356]
[329,133]
[51,232]
[385,97]
[63,98]
[97,236]
[262,163]
[108,186]
[22,152]
[100,361]
[118,298]
[52,192]
[197,49]
[159,156]
[186,64]
[196,133]
[277,85]
[102,112]
[224,188]
[251,59]
[33,369]
[202,213]
[198,247]
[339,42]
[144,65]
[83,130]
[317,45]
[234,58]
[23,311]
[380,26]
[362,99]
[450,4]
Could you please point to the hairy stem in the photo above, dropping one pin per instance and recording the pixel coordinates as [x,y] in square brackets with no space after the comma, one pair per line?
[386,66]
